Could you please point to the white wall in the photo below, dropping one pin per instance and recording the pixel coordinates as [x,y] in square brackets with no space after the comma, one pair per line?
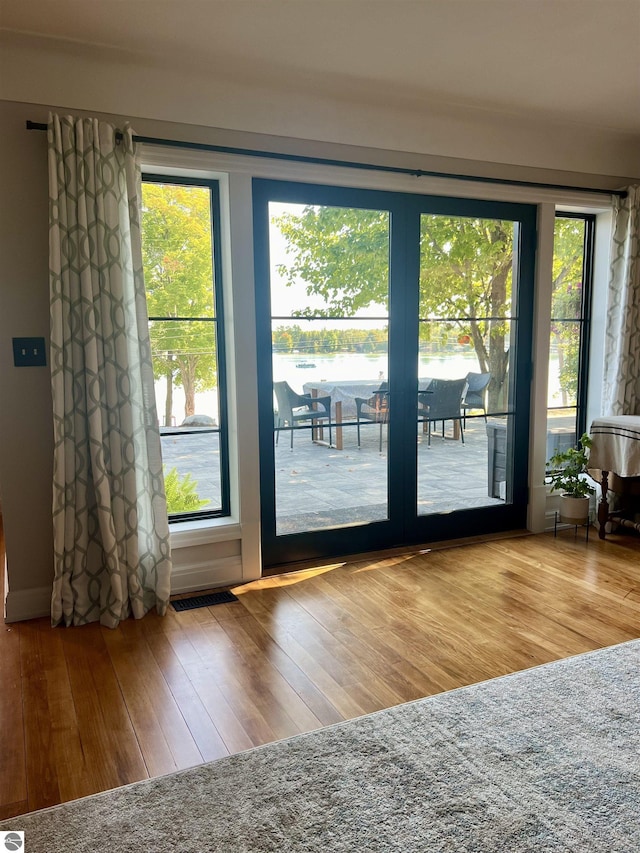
[39,71]
[25,395]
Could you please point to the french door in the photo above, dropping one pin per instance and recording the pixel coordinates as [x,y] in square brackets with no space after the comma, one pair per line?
[394,338]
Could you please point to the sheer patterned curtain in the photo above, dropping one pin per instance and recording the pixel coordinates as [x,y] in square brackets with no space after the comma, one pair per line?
[621,392]
[111,534]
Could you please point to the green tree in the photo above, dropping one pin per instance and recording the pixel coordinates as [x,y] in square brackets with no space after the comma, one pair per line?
[282,341]
[567,301]
[343,256]
[177,261]
[465,275]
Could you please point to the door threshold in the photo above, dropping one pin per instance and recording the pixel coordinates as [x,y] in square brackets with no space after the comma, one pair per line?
[316,562]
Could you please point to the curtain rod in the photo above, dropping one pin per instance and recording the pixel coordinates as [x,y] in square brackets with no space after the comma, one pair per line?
[350,164]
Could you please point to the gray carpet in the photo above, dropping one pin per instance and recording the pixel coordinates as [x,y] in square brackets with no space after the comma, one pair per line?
[543,760]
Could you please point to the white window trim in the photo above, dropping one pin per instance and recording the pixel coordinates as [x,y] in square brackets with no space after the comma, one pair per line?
[204,531]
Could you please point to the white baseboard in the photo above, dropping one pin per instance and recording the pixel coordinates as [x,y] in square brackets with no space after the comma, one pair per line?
[24,604]
[36,603]
[225,571]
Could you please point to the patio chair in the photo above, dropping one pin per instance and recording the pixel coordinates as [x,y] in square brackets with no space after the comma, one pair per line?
[442,402]
[475,398]
[374,409]
[294,408]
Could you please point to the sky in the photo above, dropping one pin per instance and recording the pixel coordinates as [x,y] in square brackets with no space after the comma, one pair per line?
[286,298]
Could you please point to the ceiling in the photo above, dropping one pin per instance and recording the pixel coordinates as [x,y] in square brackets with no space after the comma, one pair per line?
[569,60]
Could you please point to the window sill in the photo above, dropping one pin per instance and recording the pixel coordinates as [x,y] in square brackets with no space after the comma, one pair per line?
[204,531]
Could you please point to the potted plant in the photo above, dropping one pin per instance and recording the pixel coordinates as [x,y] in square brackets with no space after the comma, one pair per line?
[567,475]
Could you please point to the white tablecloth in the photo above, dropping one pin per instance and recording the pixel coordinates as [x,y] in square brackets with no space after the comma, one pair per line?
[616,445]
[346,391]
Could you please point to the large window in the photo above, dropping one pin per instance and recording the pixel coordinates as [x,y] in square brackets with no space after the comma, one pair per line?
[570,318]
[181,258]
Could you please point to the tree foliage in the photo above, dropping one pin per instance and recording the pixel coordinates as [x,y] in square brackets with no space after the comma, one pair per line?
[289,339]
[566,308]
[466,275]
[465,279]
[342,255]
[177,260]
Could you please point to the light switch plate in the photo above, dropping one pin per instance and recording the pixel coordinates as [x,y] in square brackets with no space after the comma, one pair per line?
[29,352]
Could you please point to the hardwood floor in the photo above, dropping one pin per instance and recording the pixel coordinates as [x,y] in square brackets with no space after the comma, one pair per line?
[87,709]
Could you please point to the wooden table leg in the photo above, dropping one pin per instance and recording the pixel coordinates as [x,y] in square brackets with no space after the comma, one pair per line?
[316,428]
[603,506]
[338,425]
[317,432]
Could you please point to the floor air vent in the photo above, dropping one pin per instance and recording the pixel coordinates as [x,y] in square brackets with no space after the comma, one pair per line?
[203,600]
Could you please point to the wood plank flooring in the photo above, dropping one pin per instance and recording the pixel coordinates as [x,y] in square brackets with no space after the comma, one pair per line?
[88,709]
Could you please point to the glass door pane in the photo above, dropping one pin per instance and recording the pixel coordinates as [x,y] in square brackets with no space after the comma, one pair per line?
[329,293]
[466,337]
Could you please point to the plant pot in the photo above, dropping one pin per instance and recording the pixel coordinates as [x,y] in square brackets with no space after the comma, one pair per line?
[574,510]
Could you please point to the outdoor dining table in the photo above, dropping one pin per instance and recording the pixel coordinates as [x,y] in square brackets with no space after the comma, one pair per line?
[343,391]
[343,394]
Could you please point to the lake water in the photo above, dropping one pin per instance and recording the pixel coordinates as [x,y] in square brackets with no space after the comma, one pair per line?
[355,366]
[343,366]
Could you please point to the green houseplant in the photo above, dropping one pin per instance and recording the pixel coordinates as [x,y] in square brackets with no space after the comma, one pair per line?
[567,469]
